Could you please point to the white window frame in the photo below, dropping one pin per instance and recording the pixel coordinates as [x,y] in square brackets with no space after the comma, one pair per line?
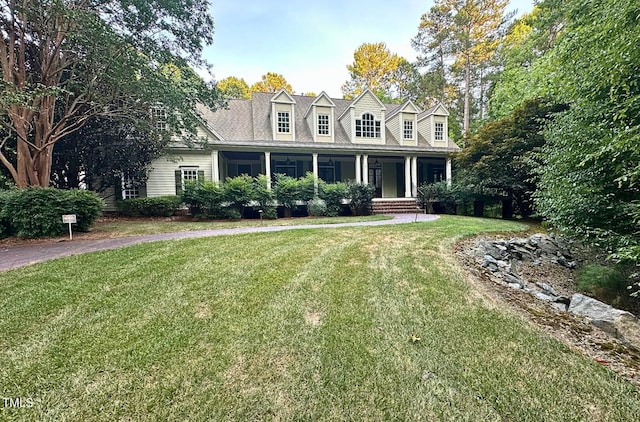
[367,127]
[159,117]
[407,129]
[323,126]
[439,131]
[188,173]
[284,122]
[129,188]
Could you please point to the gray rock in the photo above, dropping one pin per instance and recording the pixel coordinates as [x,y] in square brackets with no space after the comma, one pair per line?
[559,306]
[511,279]
[516,286]
[547,289]
[622,324]
[544,297]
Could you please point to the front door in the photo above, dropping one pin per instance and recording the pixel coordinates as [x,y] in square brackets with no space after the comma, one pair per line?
[375,179]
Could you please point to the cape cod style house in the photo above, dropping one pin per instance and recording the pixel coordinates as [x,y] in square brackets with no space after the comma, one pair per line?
[394,147]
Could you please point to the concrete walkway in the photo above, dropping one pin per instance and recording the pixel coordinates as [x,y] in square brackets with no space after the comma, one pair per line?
[23,255]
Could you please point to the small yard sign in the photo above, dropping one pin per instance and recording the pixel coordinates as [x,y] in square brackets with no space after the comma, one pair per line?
[69,219]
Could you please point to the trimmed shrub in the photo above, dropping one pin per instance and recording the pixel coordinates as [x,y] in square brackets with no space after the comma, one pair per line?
[317,207]
[5,224]
[87,206]
[287,192]
[238,192]
[204,199]
[334,194]
[36,212]
[361,196]
[264,197]
[307,187]
[161,206]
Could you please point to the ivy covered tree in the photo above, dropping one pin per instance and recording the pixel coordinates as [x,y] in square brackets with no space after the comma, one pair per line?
[65,62]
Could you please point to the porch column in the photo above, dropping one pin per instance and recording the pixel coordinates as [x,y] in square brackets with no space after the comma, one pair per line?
[267,168]
[358,169]
[215,167]
[407,177]
[448,171]
[414,177]
[365,169]
[315,172]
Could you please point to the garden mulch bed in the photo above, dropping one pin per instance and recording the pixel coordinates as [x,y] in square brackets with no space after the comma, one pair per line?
[570,329]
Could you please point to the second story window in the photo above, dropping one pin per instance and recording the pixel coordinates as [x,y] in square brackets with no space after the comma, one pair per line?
[323,124]
[408,129]
[439,131]
[283,122]
[367,127]
[159,117]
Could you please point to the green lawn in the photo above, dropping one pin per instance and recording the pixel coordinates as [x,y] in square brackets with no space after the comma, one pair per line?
[296,325]
[135,227]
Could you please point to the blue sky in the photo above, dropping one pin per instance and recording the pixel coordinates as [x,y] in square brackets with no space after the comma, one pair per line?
[310,42]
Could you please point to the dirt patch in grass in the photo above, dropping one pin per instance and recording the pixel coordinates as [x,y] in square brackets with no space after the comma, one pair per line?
[571,329]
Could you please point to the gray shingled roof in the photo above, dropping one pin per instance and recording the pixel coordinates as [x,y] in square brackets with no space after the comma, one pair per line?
[249,121]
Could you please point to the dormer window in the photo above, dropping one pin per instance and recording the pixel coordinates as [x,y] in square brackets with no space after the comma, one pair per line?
[368,126]
[283,122]
[408,129]
[323,124]
[439,131]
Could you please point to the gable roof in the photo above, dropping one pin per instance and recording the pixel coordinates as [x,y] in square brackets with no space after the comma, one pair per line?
[407,107]
[438,109]
[322,95]
[367,91]
[283,96]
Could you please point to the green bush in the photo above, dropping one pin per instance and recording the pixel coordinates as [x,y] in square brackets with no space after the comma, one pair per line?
[287,192]
[5,224]
[37,212]
[238,192]
[361,197]
[605,282]
[264,197]
[334,194]
[161,206]
[204,199]
[317,207]
[307,187]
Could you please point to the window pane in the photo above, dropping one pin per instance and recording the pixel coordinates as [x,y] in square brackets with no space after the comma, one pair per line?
[283,122]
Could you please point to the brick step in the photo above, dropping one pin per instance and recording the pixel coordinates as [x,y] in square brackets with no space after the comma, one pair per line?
[394,207]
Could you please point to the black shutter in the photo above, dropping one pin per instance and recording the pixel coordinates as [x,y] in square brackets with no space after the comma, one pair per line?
[117,188]
[337,168]
[178,175]
[299,168]
[200,175]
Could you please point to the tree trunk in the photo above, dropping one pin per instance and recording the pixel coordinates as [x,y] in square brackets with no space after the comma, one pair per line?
[478,208]
[507,209]
[467,93]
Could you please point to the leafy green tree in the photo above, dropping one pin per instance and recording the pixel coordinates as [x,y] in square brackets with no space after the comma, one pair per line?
[63,62]
[272,82]
[590,177]
[104,149]
[467,32]
[498,159]
[233,87]
[373,67]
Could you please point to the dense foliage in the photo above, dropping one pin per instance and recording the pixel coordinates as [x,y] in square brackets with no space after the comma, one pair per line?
[161,206]
[37,212]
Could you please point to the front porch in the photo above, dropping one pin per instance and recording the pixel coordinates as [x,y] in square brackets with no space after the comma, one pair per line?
[393,175]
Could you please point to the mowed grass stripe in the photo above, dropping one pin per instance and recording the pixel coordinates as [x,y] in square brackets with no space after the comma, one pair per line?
[300,325]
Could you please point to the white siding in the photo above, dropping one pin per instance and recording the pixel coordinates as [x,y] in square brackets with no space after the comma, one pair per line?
[162,180]
[393,125]
[368,103]
[424,129]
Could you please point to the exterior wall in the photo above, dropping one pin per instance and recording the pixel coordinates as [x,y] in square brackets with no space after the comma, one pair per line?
[424,128]
[408,116]
[162,180]
[368,103]
[283,136]
[317,136]
[393,125]
[443,120]
[347,124]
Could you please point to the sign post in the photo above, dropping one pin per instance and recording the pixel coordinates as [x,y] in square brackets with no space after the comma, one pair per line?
[70,219]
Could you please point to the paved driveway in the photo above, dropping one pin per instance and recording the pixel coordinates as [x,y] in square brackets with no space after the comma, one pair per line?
[23,255]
